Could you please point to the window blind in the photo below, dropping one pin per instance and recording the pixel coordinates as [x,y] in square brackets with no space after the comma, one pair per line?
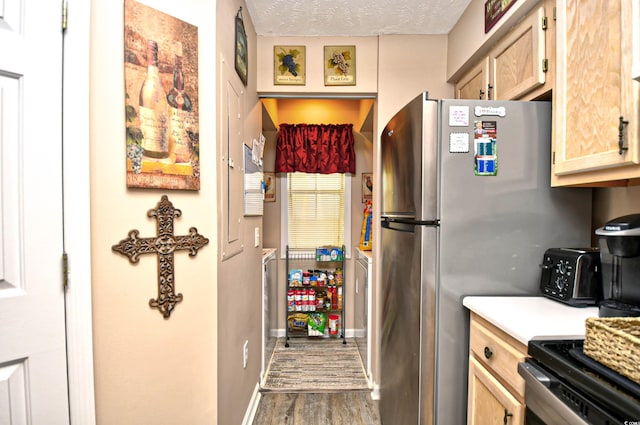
[315,208]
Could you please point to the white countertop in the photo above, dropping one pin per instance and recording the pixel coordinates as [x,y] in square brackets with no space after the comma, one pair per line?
[527,318]
[367,254]
[266,253]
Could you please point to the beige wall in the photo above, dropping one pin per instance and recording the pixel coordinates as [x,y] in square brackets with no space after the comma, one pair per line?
[239,316]
[409,65]
[149,369]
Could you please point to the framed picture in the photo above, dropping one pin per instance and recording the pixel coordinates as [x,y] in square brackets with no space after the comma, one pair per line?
[367,187]
[289,65]
[494,10]
[162,148]
[241,49]
[339,65]
[269,186]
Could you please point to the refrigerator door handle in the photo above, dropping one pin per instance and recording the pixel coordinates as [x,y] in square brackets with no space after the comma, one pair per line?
[389,225]
[388,222]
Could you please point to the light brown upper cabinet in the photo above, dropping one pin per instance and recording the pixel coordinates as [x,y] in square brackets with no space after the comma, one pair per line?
[518,61]
[475,83]
[515,67]
[595,98]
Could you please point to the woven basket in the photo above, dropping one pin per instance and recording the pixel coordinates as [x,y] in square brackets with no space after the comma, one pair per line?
[615,342]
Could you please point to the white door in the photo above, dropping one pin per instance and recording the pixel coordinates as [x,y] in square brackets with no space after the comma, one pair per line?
[33,372]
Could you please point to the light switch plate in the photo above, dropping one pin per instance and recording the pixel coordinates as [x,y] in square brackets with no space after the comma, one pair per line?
[245,354]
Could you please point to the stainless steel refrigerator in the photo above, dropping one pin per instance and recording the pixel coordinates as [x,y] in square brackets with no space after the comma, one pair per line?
[467,209]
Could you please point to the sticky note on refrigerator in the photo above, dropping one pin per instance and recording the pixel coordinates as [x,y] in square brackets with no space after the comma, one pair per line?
[459,142]
[458,116]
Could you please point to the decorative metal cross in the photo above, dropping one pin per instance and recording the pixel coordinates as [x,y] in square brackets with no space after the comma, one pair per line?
[164,245]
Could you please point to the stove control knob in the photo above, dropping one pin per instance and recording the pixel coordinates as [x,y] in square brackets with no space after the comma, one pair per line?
[560,283]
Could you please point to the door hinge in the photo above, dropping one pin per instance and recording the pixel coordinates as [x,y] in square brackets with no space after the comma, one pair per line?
[65,270]
[553,158]
[545,23]
[64,15]
[545,65]
[555,17]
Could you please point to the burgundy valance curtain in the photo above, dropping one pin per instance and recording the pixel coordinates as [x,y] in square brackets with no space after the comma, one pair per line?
[315,148]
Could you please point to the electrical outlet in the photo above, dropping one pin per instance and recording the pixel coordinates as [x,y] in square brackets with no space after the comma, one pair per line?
[245,354]
[257,236]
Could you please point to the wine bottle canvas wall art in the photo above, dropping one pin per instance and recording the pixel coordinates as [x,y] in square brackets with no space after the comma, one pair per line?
[289,65]
[161,99]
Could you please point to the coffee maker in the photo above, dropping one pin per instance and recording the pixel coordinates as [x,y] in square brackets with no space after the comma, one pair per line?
[619,242]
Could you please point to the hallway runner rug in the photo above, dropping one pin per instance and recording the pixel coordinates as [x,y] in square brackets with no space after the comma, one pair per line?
[315,365]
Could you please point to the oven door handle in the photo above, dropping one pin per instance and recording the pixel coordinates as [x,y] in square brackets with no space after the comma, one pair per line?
[542,401]
[529,371]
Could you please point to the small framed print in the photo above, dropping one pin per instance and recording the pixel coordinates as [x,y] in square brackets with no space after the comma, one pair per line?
[269,186]
[289,65]
[367,187]
[241,49]
[339,65]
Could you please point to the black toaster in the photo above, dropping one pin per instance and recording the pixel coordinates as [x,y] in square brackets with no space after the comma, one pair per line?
[572,276]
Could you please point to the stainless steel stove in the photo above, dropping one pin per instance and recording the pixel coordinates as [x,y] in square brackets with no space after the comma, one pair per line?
[564,386]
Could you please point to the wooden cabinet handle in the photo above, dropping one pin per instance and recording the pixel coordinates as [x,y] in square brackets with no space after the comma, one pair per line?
[487,352]
[507,415]
[621,127]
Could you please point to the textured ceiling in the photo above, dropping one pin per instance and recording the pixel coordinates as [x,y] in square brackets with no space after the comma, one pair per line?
[354,17]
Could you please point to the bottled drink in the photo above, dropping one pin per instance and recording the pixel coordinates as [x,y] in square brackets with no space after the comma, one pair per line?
[153,109]
[180,111]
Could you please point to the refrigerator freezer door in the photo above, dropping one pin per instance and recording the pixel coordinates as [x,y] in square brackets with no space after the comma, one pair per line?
[409,149]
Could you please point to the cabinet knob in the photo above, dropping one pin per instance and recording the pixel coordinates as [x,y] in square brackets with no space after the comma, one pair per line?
[487,352]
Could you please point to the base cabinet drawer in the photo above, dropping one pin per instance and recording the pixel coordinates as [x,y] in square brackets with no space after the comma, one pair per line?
[494,349]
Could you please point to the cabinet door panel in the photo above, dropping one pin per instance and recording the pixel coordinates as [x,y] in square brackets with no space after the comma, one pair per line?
[517,61]
[474,84]
[489,402]
[594,86]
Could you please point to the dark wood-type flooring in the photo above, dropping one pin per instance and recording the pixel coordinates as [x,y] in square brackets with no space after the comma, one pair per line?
[343,408]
